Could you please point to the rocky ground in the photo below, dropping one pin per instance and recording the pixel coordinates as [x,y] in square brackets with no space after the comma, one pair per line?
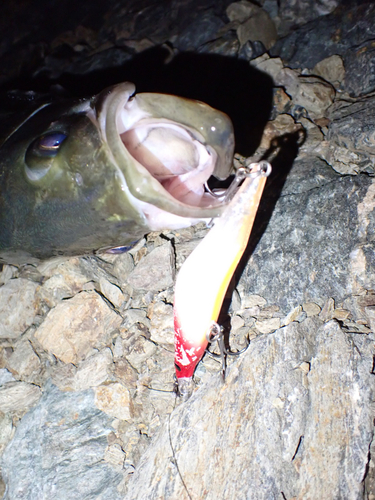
[87,402]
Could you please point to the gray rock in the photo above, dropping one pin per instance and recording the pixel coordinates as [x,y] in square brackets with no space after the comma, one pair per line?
[297,401]
[292,14]
[350,141]
[58,451]
[360,69]
[202,30]
[155,271]
[317,210]
[319,39]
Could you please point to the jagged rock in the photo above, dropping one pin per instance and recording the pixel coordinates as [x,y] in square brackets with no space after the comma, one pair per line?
[350,141]
[112,292]
[311,309]
[331,69]
[75,327]
[305,219]
[114,399]
[255,23]
[296,396]
[58,450]
[18,397]
[292,14]
[24,363]
[155,271]
[161,327]
[18,307]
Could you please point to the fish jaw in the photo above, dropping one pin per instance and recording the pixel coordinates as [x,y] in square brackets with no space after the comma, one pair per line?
[204,277]
[165,149]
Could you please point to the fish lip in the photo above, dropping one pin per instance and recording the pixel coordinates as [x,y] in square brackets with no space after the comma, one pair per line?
[115,116]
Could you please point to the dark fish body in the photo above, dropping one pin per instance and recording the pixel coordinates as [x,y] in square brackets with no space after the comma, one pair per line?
[101,172]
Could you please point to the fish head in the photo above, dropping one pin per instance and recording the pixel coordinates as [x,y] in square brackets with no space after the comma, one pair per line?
[101,172]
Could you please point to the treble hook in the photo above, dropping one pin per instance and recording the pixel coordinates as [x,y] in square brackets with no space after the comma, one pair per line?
[216,333]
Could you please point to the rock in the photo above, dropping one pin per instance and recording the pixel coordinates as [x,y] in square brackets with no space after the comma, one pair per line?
[236,322]
[5,376]
[24,363]
[311,43]
[58,450]
[311,309]
[94,371]
[18,307]
[227,45]
[115,456]
[199,32]
[125,373]
[328,217]
[360,60]
[287,415]
[161,328]
[293,14]
[112,292]
[331,69]
[326,313]
[75,327]
[293,315]
[370,314]
[6,430]
[114,399]
[155,272]
[255,23]
[7,273]
[139,351]
[252,300]
[18,397]
[283,124]
[267,325]
[349,148]
[123,266]
[309,92]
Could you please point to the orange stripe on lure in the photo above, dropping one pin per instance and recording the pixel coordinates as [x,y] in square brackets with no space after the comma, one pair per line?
[204,277]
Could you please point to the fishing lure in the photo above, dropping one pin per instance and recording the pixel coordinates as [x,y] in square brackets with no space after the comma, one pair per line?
[205,275]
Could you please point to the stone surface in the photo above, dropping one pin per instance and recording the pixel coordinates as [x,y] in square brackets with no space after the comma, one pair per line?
[58,451]
[273,412]
[305,219]
[24,363]
[75,327]
[155,271]
[349,148]
[18,397]
[114,399]
[161,323]
[254,23]
[18,307]
[331,69]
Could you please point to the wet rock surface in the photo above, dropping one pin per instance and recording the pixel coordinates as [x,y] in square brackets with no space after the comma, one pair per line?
[87,402]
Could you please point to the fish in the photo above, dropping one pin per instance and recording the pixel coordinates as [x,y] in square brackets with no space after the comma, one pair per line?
[92,174]
[203,279]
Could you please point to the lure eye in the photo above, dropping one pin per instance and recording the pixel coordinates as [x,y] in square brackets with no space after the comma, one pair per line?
[41,153]
[49,144]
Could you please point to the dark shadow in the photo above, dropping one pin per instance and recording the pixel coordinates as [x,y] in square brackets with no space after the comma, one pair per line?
[226,83]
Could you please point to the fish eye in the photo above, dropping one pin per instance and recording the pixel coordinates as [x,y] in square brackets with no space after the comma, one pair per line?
[49,144]
[41,153]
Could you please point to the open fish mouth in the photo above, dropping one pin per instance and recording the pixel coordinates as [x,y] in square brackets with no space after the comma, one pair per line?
[166,148]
